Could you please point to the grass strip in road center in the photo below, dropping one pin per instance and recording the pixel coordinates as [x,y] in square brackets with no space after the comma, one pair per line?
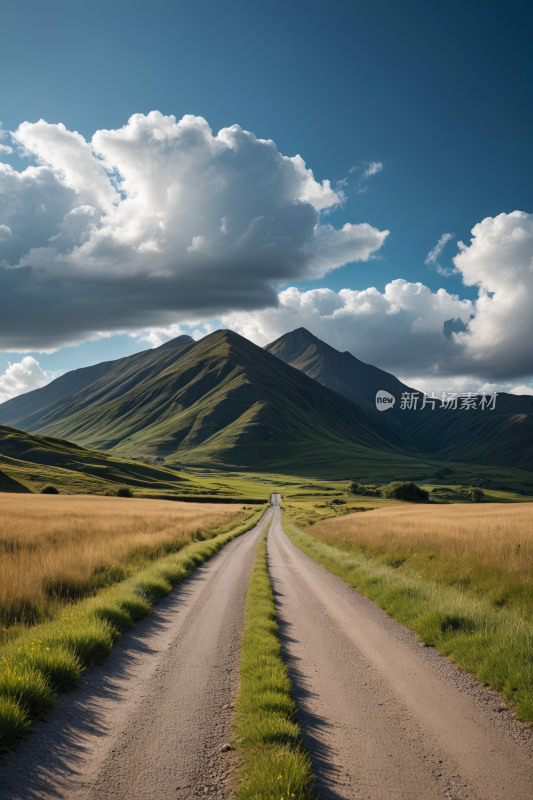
[493,644]
[49,658]
[274,760]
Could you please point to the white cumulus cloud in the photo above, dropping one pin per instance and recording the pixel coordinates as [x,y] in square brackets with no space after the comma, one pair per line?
[522,388]
[23,376]
[429,338]
[499,261]
[395,329]
[157,221]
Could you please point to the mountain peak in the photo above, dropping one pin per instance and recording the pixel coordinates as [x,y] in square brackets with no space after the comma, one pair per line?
[179,341]
[304,333]
[301,333]
[342,372]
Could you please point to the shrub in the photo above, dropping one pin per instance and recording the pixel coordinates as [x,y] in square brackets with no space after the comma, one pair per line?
[49,489]
[477,494]
[404,490]
[361,489]
[474,493]
[338,502]
[124,491]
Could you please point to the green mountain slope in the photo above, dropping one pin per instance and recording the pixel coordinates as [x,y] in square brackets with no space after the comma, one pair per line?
[28,462]
[27,411]
[222,400]
[486,437]
[7,484]
[501,437]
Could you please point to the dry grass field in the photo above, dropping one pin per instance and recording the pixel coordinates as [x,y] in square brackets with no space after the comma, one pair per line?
[59,548]
[483,548]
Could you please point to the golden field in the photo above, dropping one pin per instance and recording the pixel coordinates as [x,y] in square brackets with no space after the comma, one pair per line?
[487,549]
[499,536]
[58,548]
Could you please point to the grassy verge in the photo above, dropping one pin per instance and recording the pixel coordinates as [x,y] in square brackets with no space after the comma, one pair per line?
[47,659]
[275,763]
[493,644]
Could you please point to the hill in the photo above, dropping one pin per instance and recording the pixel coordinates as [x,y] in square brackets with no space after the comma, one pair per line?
[501,437]
[29,462]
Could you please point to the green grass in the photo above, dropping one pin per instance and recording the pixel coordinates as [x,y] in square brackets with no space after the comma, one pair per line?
[274,760]
[39,662]
[296,486]
[29,462]
[493,644]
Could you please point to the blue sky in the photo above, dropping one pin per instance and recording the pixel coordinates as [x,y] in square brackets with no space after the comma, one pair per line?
[439,95]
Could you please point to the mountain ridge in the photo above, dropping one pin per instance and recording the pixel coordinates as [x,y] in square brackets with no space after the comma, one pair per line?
[503,436]
[222,398]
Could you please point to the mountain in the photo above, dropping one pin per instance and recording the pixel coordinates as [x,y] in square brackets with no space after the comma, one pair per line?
[20,411]
[221,400]
[340,372]
[503,436]
[296,406]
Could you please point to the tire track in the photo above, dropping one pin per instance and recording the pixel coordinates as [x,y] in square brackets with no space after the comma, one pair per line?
[150,722]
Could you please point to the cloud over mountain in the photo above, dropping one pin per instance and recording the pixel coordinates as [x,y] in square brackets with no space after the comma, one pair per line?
[155,222]
[416,333]
[395,329]
[499,260]
[23,376]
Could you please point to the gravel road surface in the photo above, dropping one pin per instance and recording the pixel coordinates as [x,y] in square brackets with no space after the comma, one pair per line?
[150,722]
[383,716]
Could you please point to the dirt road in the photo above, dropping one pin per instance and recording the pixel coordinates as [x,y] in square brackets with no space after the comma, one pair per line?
[384,717]
[150,722]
